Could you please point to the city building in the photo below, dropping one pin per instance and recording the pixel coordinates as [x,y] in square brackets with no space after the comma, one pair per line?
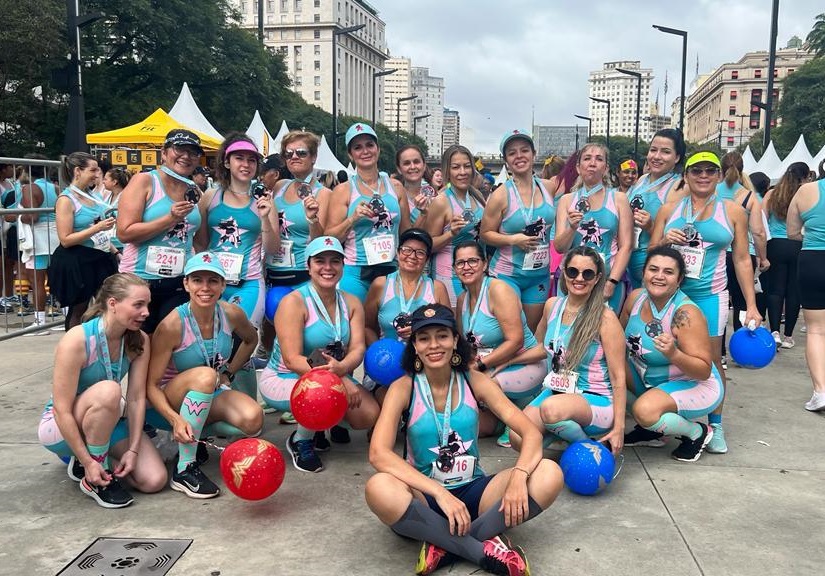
[719,109]
[304,31]
[656,121]
[467,137]
[559,140]
[621,90]
[452,128]
[396,86]
[428,107]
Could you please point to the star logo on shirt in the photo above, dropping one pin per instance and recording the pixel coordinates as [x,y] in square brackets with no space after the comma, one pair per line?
[229,232]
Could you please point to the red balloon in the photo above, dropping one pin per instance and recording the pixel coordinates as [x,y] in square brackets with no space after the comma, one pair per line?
[318,400]
[252,468]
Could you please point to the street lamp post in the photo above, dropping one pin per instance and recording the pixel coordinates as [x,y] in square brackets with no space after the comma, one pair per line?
[375,76]
[607,131]
[684,35]
[75,139]
[742,128]
[720,121]
[415,122]
[771,70]
[335,33]
[398,116]
[638,76]
[589,126]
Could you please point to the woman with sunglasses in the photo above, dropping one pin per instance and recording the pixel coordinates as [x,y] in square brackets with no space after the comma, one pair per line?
[595,215]
[318,326]
[455,216]
[650,193]
[438,492]
[585,391]
[366,214]
[671,373]
[157,222]
[491,319]
[413,173]
[239,224]
[518,222]
[701,226]
[190,372]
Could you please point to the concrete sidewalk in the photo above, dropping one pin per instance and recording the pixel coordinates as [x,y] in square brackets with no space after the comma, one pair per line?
[756,510]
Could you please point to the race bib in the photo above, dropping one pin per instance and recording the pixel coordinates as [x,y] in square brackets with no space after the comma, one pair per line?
[379,249]
[462,471]
[165,261]
[564,382]
[284,258]
[232,265]
[694,258]
[102,240]
[538,258]
[637,232]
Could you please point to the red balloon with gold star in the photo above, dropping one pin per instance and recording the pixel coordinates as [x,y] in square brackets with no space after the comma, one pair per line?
[252,469]
[318,400]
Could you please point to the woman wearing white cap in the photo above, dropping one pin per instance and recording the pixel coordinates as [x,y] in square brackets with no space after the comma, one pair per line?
[318,325]
[190,372]
[157,221]
[518,220]
[366,214]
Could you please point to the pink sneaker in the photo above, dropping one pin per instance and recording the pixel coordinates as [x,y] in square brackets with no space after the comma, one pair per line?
[501,558]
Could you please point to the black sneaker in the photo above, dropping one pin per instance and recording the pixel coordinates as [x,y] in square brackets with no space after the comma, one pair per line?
[193,482]
[202,454]
[642,437]
[112,496]
[339,435]
[690,450]
[75,470]
[320,441]
[303,454]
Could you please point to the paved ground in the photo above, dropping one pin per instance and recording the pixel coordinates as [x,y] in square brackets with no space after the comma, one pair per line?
[756,510]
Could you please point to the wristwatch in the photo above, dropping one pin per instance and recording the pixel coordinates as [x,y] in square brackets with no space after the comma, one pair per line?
[481,366]
[229,375]
[613,281]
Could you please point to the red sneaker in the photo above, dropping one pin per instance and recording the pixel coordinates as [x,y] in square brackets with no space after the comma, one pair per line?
[503,559]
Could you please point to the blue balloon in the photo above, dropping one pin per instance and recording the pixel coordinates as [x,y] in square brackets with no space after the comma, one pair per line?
[752,348]
[382,362]
[273,298]
[588,467]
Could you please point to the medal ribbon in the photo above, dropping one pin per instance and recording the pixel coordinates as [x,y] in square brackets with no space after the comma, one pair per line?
[526,214]
[443,432]
[402,299]
[641,189]
[481,295]
[322,310]
[169,172]
[559,322]
[211,358]
[103,351]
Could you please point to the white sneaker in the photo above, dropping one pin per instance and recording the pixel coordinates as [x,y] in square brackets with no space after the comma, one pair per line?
[816,403]
[787,342]
[803,329]
[777,338]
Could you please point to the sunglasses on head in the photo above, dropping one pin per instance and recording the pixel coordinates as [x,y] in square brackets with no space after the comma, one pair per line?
[299,152]
[572,272]
[698,170]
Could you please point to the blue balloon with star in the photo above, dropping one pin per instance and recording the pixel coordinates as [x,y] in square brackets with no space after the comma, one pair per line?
[588,467]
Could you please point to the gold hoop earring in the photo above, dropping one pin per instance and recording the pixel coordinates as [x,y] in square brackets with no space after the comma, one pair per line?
[455,359]
[418,365]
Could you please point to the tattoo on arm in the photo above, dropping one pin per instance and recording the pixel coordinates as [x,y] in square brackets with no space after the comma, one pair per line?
[681,319]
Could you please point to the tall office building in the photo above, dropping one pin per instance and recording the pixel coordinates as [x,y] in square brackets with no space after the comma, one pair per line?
[429,107]
[452,128]
[304,31]
[621,90]
[559,140]
[397,85]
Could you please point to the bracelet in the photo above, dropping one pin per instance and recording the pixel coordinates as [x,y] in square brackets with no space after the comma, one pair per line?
[522,470]
[312,220]
[130,450]
[613,281]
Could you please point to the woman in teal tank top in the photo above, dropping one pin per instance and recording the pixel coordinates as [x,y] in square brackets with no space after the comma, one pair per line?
[82,421]
[412,170]
[463,510]
[190,373]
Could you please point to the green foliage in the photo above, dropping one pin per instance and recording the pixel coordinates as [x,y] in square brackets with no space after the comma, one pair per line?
[621,148]
[816,37]
[801,109]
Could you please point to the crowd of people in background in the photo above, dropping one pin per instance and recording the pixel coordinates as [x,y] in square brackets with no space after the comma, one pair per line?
[540,311]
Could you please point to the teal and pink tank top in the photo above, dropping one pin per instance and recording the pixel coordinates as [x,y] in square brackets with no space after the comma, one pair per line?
[443,259]
[293,228]
[195,349]
[87,216]
[235,236]
[599,228]
[814,221]
[650,197]
[367,241]
[394,304]
[482,328]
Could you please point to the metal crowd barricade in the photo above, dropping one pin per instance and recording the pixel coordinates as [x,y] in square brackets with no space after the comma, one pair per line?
[24,290]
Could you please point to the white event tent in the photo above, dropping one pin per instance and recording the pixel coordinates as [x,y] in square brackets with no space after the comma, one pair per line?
[186,112]
[260,135]
[326,159]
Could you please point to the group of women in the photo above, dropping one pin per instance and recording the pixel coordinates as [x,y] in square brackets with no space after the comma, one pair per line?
[496,341]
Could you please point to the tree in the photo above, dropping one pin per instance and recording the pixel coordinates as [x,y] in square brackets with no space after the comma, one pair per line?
[816,37]
[801,109]
[621,147]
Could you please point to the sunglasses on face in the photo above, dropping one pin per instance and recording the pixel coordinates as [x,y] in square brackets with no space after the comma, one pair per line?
[698,171]
[298,152]
[407,251]
[468,263]
[186,151]
[572,273]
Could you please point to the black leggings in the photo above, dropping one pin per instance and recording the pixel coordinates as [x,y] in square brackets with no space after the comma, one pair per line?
[782,286]
[737,298]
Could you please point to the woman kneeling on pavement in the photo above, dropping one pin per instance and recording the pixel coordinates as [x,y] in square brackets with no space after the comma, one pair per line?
[82,420]
[671,375]
[189,373]
[439,493]
[318,326]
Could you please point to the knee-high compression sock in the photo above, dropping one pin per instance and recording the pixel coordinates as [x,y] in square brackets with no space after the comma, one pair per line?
[247,382]
[419,522]
[671,424]
[194,409]
[491,523]
[714,418]
[100,454]
[302,433]
[569,430]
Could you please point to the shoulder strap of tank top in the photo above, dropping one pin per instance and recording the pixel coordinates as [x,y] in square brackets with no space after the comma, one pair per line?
[747,199]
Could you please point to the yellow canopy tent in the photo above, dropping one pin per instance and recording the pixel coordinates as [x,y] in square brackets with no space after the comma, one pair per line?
[150,132]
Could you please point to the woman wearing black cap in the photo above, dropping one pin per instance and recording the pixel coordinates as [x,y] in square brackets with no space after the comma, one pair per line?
[157,221]
[439,493]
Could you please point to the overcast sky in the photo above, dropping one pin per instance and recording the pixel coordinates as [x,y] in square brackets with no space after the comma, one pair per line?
[499,59]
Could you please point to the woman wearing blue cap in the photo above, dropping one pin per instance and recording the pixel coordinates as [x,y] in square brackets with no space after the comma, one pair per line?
[438,492]
[318,326]
[518,220]
[157,221]
[190,372]
[366,214]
